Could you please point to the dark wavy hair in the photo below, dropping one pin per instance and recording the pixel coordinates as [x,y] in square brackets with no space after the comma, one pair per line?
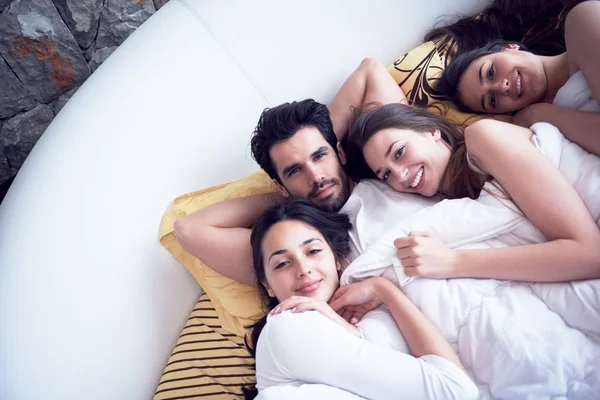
[448,82]
[280,123]
[536,26]
[333,226]
[465,182]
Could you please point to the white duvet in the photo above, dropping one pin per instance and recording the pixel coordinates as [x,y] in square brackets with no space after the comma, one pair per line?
[517,340]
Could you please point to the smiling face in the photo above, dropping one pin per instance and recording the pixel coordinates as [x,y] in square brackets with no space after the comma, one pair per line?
[503,82]
[310,169]
[298,262]
[408,161]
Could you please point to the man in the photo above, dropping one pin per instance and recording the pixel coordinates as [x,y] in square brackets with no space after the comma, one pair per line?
[296,145]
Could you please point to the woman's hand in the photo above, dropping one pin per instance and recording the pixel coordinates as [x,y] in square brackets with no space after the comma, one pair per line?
[300,303]
[353,301]
[423,254]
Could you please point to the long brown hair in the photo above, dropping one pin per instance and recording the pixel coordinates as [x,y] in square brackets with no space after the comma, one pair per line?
[464,181]
[537,24]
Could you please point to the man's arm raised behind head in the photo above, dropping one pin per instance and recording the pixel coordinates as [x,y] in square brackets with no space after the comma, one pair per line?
[219,235]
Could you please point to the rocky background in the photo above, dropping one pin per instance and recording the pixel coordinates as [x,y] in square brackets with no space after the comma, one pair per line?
[48,48]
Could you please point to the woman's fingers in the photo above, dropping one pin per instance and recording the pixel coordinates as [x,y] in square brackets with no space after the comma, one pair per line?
[409,262]
[287,304]
[418,233]
[407,246]
[412,271]
[306,306]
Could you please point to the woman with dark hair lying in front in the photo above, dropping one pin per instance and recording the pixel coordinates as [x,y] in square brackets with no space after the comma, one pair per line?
[304,348]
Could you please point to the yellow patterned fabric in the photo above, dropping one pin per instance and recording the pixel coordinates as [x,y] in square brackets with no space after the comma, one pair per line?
[237,305]
[417,73]
[208,361]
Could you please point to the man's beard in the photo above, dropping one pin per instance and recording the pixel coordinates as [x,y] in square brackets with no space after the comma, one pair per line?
[331,203]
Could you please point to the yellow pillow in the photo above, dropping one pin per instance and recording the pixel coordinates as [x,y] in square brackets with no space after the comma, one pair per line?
[417,73]
[237,305]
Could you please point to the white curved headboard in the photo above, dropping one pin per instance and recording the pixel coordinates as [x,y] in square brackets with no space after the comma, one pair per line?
[90,304]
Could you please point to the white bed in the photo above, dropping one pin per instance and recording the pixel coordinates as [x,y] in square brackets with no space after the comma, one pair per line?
[90,304]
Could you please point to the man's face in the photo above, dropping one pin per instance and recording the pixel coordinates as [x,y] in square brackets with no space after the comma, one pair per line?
[310,169]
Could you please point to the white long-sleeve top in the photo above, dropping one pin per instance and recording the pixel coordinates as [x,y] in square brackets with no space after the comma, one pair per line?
[309,353]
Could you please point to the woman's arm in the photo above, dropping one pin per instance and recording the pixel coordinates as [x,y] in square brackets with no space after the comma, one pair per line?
[422,336]
[370,83]
[580,127]
[582,36]
[549,201]
[219,235]
[309,347]
[455,222]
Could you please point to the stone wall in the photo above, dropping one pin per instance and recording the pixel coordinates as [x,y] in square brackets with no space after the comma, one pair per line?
[48,48]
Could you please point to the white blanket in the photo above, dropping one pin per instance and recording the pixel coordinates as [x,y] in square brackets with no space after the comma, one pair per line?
[577,94]
[518,340]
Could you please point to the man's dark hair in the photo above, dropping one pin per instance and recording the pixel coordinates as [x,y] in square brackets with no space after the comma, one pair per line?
[280,123]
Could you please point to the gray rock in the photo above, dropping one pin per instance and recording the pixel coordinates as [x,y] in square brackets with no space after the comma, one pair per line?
[89,52]
[20,133]
[40,49]
[5,171]
[82,17]
[4,4]
[13,95]
[159,3]
[59,103]
[100,56]
[120,18]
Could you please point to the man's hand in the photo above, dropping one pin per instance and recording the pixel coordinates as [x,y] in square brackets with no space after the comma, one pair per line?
[353,301]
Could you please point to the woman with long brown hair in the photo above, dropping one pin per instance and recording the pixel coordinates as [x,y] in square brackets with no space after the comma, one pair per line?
[505,76]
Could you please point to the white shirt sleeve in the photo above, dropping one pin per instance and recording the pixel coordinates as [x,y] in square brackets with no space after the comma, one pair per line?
[308,347]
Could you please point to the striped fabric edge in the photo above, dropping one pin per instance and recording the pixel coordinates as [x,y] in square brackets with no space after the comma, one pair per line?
[207,362]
